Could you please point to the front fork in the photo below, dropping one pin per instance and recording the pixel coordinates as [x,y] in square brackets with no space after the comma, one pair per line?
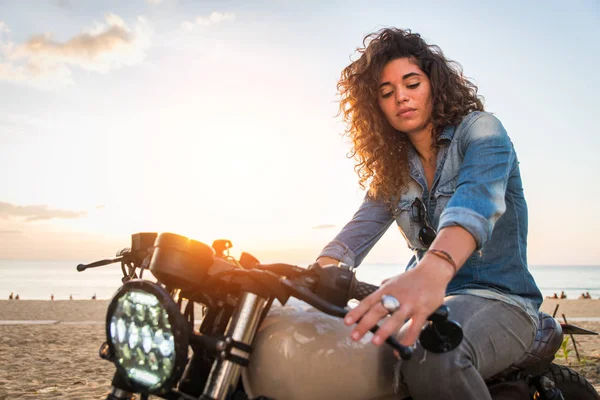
[225,373]
[116,393]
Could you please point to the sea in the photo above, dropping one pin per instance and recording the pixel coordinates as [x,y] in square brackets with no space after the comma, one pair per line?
[39,280]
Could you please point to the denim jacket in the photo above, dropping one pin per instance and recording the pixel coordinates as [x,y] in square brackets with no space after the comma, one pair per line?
[477,186]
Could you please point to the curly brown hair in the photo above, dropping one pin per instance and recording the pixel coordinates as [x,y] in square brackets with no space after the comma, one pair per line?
[381,152]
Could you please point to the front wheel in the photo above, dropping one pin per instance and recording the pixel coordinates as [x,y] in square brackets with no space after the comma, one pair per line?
[572,385]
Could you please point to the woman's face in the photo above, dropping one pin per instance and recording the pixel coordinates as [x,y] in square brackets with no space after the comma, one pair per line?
[405,96]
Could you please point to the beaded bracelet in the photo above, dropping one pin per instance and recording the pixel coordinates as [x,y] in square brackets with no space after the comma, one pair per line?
[446,256]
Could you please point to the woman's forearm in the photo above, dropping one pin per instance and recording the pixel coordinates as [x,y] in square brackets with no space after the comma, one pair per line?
[456,242]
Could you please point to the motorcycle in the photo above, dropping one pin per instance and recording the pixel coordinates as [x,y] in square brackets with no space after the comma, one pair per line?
[275,331]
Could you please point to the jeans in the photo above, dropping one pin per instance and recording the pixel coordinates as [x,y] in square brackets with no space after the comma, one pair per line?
[495,335]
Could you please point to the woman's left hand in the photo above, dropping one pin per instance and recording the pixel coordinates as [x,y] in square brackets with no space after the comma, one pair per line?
[420,292]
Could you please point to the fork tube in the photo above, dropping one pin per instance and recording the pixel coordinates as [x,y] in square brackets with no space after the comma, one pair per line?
[224,374]
[118,394]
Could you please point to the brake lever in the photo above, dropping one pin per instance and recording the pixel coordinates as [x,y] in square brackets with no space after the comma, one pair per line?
[100,263]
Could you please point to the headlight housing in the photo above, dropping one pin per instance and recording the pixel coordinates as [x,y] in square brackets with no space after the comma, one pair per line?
[148,336]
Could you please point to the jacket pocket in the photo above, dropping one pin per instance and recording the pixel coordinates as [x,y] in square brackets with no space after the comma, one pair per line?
[443,193]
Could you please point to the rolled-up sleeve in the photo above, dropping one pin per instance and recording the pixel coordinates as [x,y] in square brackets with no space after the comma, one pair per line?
[358,236]
[479,198]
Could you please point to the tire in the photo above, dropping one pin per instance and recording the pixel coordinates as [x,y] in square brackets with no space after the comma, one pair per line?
[572,385]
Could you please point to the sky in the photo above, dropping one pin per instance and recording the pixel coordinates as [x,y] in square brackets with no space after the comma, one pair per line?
[218,119]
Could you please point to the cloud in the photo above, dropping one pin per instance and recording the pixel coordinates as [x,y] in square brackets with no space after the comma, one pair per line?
[187,25]
[45,62]
[324,226]
[214,18]
[37,212]
[4,28]
[155,2]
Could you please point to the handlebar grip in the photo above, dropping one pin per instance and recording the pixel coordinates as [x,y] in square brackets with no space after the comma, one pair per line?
[359,290]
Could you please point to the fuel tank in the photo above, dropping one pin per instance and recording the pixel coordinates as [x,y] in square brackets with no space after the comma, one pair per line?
[301,353]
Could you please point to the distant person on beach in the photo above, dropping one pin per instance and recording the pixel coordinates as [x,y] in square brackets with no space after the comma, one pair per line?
[94,296]
[17,297]
[446,172]
[70,297]
[587,295]
[51,297]
[11,296]
[563,295]
[555,296]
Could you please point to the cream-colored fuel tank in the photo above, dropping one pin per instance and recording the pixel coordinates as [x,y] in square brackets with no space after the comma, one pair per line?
[301,353]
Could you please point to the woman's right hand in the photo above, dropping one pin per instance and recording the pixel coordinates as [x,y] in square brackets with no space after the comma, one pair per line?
[420,291]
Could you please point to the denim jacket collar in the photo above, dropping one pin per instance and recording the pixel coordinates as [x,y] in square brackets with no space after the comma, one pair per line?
[416,169]
[447,133]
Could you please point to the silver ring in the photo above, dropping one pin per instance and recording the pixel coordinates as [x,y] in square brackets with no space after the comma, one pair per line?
[390,303]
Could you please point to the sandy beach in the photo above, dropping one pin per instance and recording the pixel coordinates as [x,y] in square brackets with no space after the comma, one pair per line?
[49,349]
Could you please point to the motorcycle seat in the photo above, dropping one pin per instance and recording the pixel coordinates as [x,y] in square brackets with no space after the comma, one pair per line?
[547,341]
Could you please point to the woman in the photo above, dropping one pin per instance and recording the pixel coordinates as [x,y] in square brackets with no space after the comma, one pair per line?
[446,172]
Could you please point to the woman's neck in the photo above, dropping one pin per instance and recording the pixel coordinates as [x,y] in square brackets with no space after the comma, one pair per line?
[422,141]
[427,153]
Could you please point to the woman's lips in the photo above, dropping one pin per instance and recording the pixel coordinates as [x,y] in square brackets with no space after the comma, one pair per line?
[407,113]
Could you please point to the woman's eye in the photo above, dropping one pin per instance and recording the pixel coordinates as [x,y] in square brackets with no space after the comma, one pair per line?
[386,95]
[414,85]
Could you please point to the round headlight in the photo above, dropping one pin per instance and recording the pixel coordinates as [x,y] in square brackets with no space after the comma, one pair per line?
[148,336]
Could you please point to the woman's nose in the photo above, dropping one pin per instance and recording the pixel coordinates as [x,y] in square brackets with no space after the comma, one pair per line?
[400,95]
